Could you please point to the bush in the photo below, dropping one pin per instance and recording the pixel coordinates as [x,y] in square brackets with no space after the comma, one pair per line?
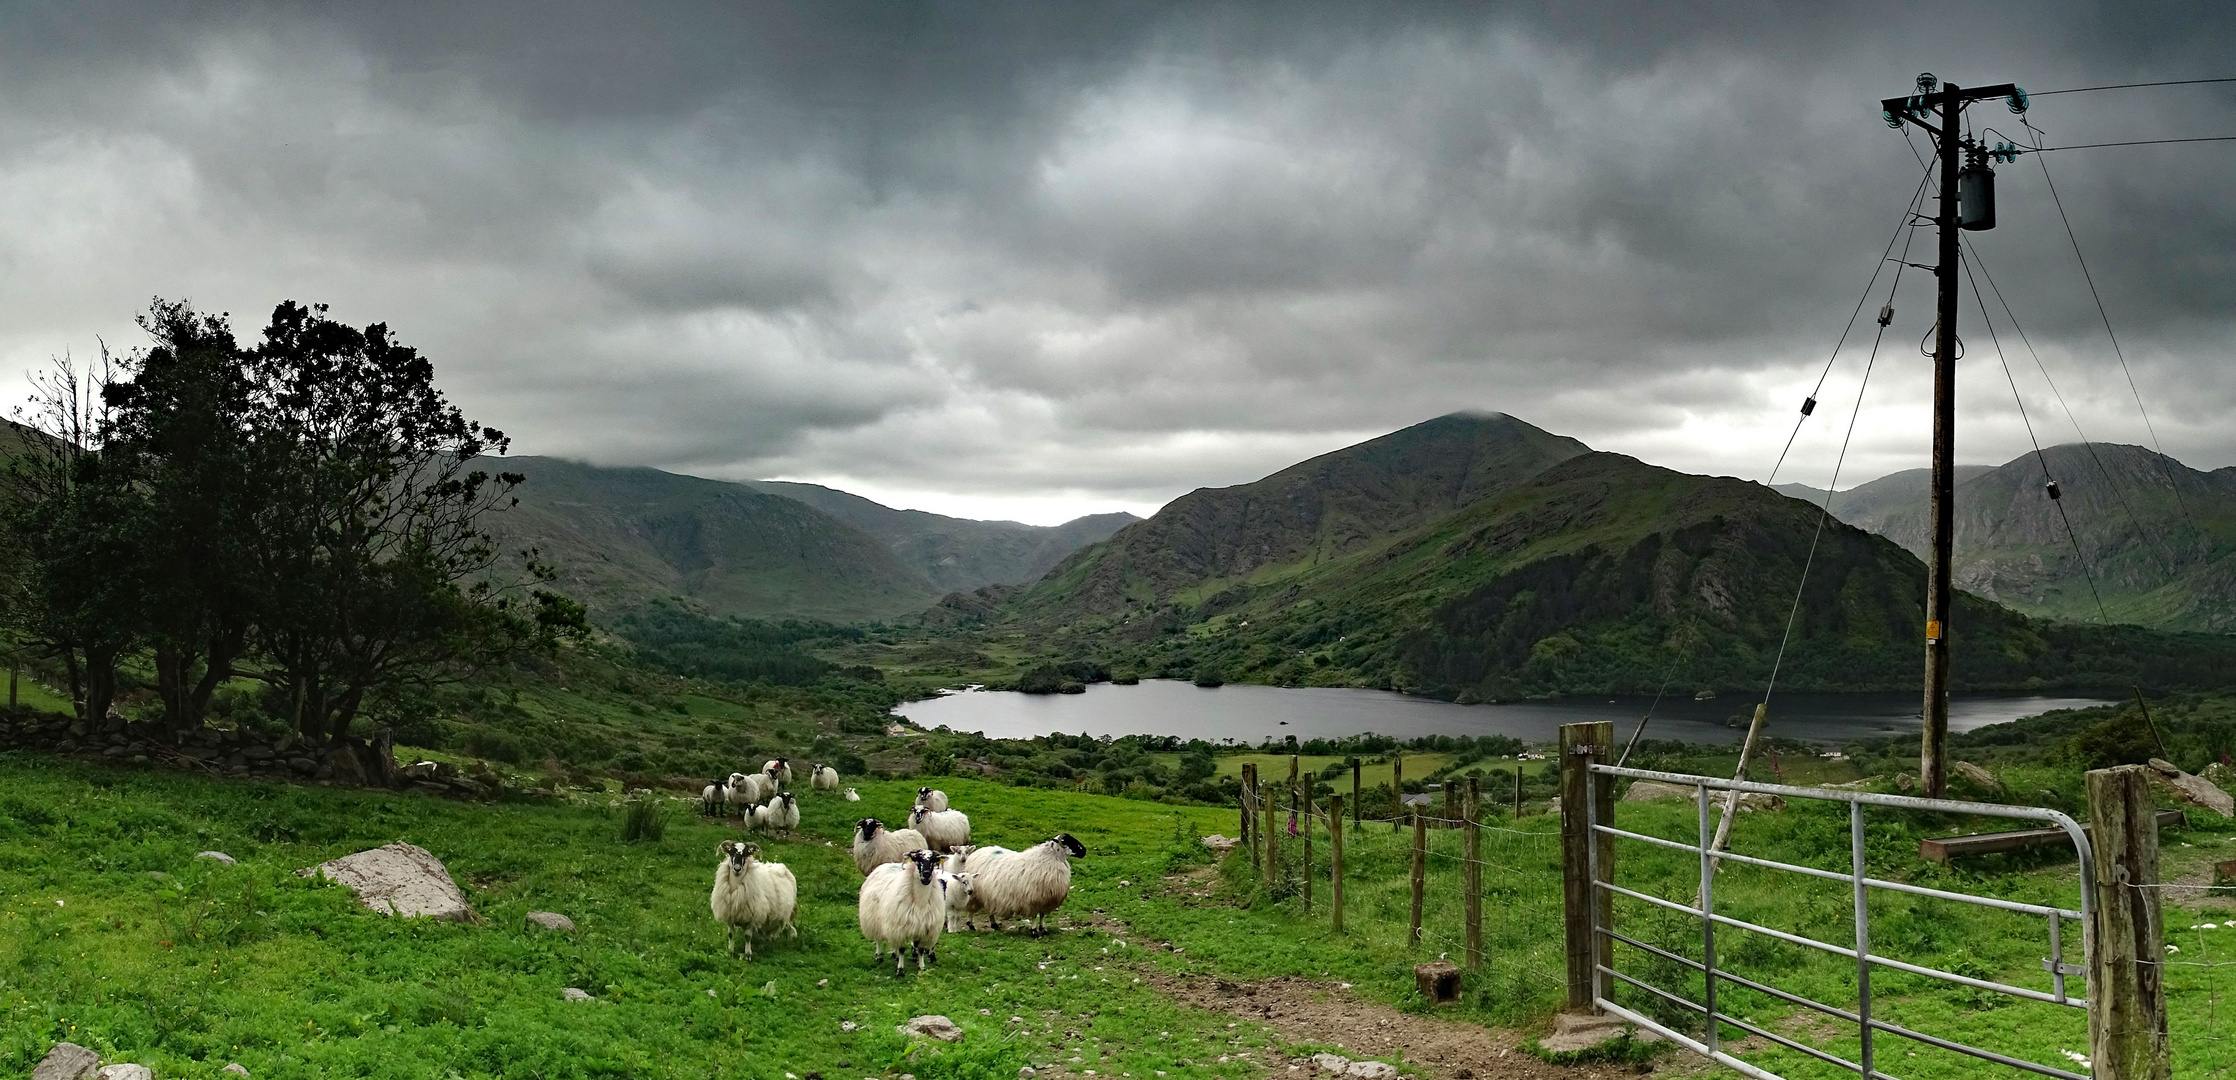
[644,819]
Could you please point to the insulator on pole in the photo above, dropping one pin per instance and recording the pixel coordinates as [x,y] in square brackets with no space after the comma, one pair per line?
[1886,314]
[2052,488]
[1808,404]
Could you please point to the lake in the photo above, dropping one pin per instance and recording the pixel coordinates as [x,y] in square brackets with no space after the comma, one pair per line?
[1252,714]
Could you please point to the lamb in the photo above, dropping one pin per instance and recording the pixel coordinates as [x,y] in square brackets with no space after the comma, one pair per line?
[748,790]
[1025,884]
[942,829]
[780,814]
[953,864]
[826,778]
[714,797]
[853,795]
[779,772]
[875,845]
[930,799]
[901,905]
[751,897]
[956,888]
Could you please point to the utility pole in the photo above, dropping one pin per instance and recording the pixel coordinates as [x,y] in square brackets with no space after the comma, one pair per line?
[1975,211]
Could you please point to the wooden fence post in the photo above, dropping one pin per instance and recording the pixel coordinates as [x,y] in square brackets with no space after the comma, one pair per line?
[2126,978]
[1354,794]
[1335,859]
[1397,789]
[1420,872]
[1295,792]
[1451,801]
[1587,908]
[1304,824]
[1250,811]
[1474,876]
[1272,831]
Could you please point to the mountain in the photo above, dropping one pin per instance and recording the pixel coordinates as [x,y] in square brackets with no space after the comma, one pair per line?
[1326,508]
[956,553]
[2158,537]
[624,537]
[1478,557]
[1867,502]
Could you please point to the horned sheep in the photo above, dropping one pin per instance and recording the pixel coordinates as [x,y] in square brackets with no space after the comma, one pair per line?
[931,799]
[942,829]
[901,906]
[778,771]
[751,897]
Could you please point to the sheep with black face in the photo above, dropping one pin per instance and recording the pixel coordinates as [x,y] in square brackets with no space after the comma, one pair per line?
[902,906]
[753,898]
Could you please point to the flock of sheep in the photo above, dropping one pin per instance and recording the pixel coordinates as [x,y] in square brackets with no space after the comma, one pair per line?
[917,882]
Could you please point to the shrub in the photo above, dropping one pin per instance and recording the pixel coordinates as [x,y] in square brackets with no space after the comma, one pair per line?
[643,819]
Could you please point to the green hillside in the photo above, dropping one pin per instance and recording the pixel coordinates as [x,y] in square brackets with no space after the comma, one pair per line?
[623,537]
[2158,537]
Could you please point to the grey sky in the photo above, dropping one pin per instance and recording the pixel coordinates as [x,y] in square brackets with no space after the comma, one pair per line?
[1032,260]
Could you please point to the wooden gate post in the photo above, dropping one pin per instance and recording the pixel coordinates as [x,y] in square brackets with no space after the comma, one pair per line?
[1272,831]
[1250,812]
[1335,859]
[1586,907]
[1473,808]
[2126,977]
[1420,872]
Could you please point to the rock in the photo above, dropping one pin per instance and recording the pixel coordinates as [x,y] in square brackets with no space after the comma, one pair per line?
[126,1071]
[302,765]
[1656,791]
[848,1025]
[1579,1031]
[2192,788]
[67,1061]
[1976,776]
[1553,806]
[574,994]
[1027,1073]
[1331,1063]
[235,1068]
[931,1027]
[551,920]
[399,879]
[1220,844]
[1372,1070]
[217,856]
[1905,783]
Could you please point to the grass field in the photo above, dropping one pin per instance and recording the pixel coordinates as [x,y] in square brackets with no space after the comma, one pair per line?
[112,935]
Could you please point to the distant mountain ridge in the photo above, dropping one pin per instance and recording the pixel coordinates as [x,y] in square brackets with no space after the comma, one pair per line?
[1478,557]
[622,537]
[2158,537]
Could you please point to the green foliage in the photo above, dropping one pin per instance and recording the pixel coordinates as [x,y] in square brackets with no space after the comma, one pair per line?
[644,819]
[671,638]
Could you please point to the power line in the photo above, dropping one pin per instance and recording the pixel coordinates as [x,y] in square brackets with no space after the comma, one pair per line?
[2127,86]
[2136,142]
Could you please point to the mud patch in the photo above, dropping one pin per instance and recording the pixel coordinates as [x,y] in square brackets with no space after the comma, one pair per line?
[1321,1013]
[1201,883]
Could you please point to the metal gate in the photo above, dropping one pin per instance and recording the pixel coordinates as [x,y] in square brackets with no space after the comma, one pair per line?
[1604,936]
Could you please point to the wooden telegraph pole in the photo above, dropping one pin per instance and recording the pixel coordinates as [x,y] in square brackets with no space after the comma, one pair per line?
[1940,112]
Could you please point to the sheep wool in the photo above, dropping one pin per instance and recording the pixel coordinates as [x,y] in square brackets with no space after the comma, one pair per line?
[780,814]
[753,898]
[853,795]
[778,771]
[956,888]
[942,829]
[826,778]
[1025,884]
[901,905]
[748,790]
[714,797]
[931,799]
[875,845]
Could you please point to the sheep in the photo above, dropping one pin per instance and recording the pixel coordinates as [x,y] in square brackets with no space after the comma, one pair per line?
[1025,884]
[953,864]
[942,829]
[780,814]
[853,795]
[748,790]
[751,897]
[901,905]
[875,845]
[929,799]
[779,772]
[956,888]
[714,797]
[826,778]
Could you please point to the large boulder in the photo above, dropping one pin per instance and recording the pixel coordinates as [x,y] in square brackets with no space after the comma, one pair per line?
[399,879]
[2192,788]
[67,1061]
[1657,791]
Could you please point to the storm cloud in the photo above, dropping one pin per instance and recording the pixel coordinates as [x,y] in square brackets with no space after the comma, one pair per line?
[1032,260]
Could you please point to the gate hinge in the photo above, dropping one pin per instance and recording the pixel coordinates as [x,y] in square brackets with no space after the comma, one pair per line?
[2057,967]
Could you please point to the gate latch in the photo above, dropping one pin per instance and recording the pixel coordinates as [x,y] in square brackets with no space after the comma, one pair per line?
[2058,967]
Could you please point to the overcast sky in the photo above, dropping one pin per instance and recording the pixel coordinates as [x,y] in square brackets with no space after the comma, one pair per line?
[1035,260]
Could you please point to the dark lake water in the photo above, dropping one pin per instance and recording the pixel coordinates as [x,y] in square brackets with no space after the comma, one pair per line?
[1251,714]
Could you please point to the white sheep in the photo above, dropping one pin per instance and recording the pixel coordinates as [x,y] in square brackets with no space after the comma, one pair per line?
[942,829]
[780,814]
[748,790]
[826,778]
[956,888]
[715,796]
[1024,884]
[751,897]
[930,799]
[778,771]
[953,865]
[901,906]
[875,845]
[853,795]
